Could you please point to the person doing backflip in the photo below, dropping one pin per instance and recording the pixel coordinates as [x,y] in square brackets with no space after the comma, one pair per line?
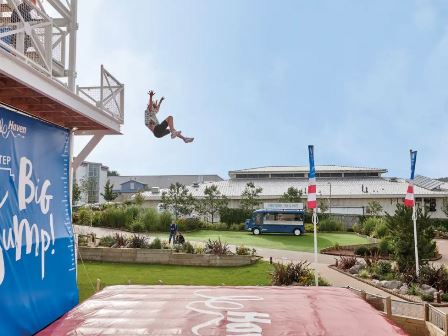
[167,126]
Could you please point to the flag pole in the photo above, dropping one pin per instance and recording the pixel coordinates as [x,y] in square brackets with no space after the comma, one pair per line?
[414,218]
[315,221]
[312,204]
[409,202]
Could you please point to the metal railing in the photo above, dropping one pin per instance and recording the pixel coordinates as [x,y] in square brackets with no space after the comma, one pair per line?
[419,311]
[109,96]
[437,317]
[26,32]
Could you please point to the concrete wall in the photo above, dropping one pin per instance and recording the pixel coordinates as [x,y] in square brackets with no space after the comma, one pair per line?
[166,257]
[413,327]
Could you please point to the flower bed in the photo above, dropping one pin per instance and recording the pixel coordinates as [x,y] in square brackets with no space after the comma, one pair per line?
[166,257]
[430,285]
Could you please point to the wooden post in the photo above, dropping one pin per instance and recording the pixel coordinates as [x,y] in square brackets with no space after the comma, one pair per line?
[426,311]
[98,285]
[270,260]
[388,306]
[438,297]
[446,324]
[363,295]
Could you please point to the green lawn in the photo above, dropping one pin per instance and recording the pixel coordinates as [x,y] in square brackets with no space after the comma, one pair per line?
[276,241]
[119,274]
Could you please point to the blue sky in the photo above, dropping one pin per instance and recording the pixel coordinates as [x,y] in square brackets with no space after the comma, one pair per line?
[256,81]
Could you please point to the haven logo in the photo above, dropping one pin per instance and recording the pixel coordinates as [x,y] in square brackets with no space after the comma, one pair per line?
[8,128]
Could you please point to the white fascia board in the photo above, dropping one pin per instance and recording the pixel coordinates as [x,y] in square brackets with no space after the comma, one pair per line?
[25,74]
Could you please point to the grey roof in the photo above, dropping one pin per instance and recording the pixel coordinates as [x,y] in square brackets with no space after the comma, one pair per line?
[428,183]
[163,181]
[304,169]
[340,188]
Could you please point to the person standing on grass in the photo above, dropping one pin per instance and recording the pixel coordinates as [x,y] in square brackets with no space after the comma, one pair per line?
[173,232]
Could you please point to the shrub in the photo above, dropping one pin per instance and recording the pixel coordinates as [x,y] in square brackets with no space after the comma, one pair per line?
[236,227]
[82,240]
[107,241]
[294,274]
[165,219]
[242,250]
[330,225]
[385,247]
[156,244]
[427,297]
[132,212]
[444,297]
[234,216]
[310,228]
[362,250]
[137,226]
[85,217]
[97,218]
[151,220]
[199,249]
[364,274]
[217,247]
[217,227]
[188,248]
[369,225]
[413,289]
[115,218]
[380,229]
[346,263]
[120,240]
[434,276]
[189,224]
[137,241]
[383,267]
[357,228]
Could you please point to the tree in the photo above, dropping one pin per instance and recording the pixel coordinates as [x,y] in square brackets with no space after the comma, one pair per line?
[112,173]
[178,199]
[322,204]
[292,195]
[76,193]
[250,196]
[212,203]
[401,238]
[138,198]
[109,194]
[87,187]
[374,208]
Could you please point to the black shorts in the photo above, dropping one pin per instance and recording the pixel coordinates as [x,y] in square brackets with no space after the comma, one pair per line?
[161,129]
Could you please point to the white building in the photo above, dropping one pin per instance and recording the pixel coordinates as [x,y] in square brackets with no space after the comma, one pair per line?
[94,177]
[348,190]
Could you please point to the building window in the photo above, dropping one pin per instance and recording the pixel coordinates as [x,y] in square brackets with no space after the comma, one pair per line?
[288,175]
[93,173]
[251,176]
[132,186]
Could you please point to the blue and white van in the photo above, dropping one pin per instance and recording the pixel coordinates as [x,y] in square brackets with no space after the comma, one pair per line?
[277,218]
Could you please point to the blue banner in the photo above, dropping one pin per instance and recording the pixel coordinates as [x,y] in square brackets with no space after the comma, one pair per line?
[312,173]
[37,258]
[413,161]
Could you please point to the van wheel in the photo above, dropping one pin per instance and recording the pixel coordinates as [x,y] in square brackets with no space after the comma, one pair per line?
[256,231]
[297,232]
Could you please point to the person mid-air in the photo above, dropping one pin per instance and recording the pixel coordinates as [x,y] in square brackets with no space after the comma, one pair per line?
[164,128]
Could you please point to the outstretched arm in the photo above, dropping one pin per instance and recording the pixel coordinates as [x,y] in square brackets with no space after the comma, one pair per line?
[151,94]
[160,102]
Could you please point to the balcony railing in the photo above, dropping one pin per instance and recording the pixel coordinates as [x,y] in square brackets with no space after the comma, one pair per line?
[109,96]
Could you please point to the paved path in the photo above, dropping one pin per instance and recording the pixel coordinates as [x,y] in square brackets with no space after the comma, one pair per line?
[335,278]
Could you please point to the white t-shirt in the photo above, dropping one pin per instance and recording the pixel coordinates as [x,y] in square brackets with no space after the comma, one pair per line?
[150,116]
